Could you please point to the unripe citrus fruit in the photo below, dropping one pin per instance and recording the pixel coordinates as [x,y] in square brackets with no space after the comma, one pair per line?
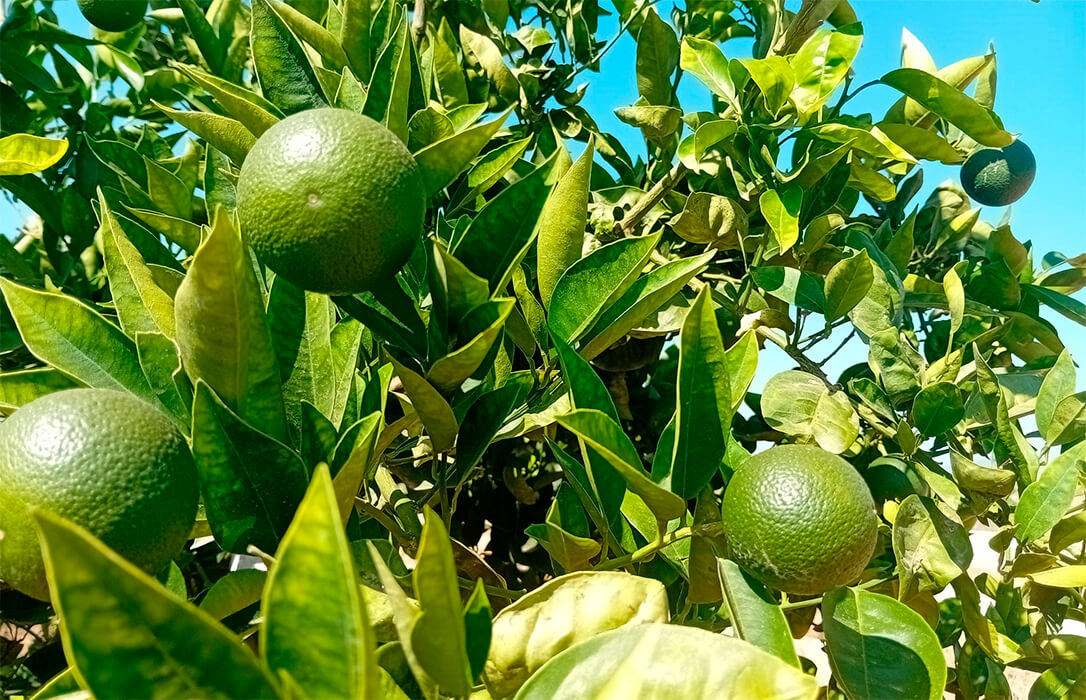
[999,176]
[799,519]
[103,459]
[113,15]
[331,201]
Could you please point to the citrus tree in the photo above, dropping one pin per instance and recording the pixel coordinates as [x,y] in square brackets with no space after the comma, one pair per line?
[450,391]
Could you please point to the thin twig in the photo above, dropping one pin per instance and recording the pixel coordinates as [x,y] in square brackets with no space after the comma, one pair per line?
[650,200]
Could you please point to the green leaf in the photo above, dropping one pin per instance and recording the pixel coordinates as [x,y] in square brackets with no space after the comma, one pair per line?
[211,47]
[433,410]
[571,552]
[286,76]
[23,386]
[847,283]
[742,361]
[703,406]
[798,403]
[405,614]
[312,33]
[250,482]
[23,154]
[667,662]
[1059,383]
[390,86]
[595,281]
[706,62]
[477,621]
[931,546]
[1068,422]
[600,432]
[985,480]
[822,63]
[1073,576]
[256,113]
[561,613]
[562,224]
[438,637]
[796,287]
[222,330]
[756,617]
[490,58]
[922,144]
[228,135]
[352,460]
[486,322]
[483,421]
[881,648]
[129,637]
[781,212]
[1061,303]
[161,364]
[937,409]
[711,218]
[774,77]
[951,104]
[75,339]
[645,296]
[315,627]
[440,162]
[657,56]
[502,232]
[657,122]
[142,306]
[1044,502]
[234,592]
[300,326]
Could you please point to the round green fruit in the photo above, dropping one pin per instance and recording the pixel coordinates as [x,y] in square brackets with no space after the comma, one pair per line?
[104,460]
[997,177]
[799,519]
[331,201]
[113,15]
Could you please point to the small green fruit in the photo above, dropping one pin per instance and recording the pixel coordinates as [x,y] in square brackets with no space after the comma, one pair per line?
[113,15]
[997,177]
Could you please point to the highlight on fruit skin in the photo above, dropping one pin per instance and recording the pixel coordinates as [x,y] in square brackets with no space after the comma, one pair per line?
[113,15]
[103,459]
[799,519]
[997,177]
[331,201]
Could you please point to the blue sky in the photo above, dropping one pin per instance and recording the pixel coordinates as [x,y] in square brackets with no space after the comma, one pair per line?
[1041,50]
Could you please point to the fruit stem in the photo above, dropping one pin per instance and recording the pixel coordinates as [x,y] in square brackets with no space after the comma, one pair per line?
[818,601]
[646,552]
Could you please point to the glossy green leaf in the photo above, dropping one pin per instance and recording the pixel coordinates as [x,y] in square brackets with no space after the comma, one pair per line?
[706,62]
[937,409]
[605,436]
[490,58]
[881,648]
[847,283]
[142,306]
[223,333]
[931,546]
[643,297]
[438,637]
[300,324]
[211,47]
[23,154]
[593,282]
[561,613]
[703,406]
[1061,303]
[440,162]
[922,144]
[756,617]
[986,480]
[790,285]
[1058,384]
[486,321]
[1044,502]
[667,662]
[502,232]
[774,77]
[250,482]
[742,362]
[432,408]
[949,103]
[656,59]
[161,364]
[822,63]
[234,592]
[75,339]
[798,403]
[562,224]
[20,387]
[228,135]
[256,113]
[1068,422]
[312,33]
[353,459]
[483,421]
[781,212]
[315,627]
[286,76]
[389,88]
[130,638]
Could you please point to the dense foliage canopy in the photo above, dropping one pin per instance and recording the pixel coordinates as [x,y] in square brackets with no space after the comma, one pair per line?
[475,478]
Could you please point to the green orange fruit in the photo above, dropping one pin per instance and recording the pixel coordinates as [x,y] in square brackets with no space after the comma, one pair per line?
[331,201]
[104,460]
[997,177]
[799,519]
[113,15]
